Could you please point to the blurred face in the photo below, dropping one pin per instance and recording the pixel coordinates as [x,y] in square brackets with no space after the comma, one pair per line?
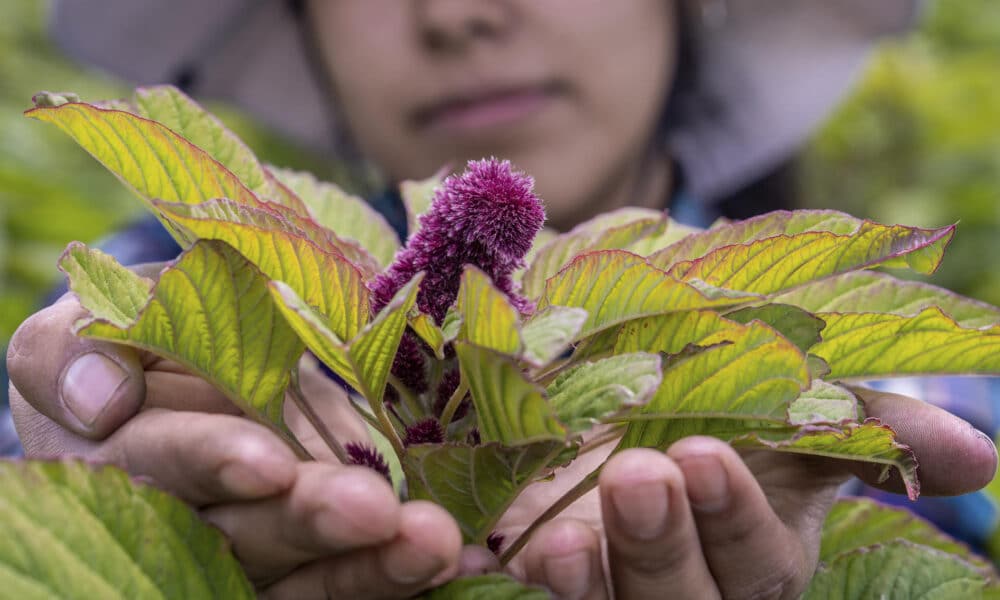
[568,90]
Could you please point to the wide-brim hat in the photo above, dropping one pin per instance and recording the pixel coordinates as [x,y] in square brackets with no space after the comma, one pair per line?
[766,71]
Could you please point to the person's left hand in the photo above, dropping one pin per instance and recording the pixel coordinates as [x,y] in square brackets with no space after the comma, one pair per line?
[703,521]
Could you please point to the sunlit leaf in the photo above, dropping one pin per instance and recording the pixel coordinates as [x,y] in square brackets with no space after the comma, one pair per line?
[614,286]
[417,196]
[897,570]
[511,409]
[783,262]
[169,106]
[70,530]
[476,484]
[855,523]
[307,263]
[586,393]
[430,333]
[489,320]
[876,345]
[548,333]
[871,291]
[486,587]
[347,215]
[868,442]
[655,242]
[210,311]
[614,230]
[824,403]
[741,373]
[363,361]
[800,327]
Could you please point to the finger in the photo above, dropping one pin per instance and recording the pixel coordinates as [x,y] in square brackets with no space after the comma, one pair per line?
[477,560]
[750,552]
[955,458]
[201,458]
[87,386]
[330,509]
[565,556]
[424,553]
[653,544]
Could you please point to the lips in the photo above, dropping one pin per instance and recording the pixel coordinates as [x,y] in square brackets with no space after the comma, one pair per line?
[485,108]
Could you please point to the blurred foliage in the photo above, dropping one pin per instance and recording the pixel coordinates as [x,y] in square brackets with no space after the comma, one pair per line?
[919,141]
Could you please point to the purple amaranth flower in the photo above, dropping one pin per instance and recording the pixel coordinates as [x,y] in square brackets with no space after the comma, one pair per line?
[366,456]
[427,431]
[495,542]
[486,217]
[408,365]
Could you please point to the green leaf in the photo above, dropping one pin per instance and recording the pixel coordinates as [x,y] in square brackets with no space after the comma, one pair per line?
[475,484]
[874,345]
[150,158]
[824,403]
[308,262]
[587,393]
[615,286]
[209,311]
[895,571]
[432,335]
[488,318]
[739,372]
[168,106]
[800,327]
[486,587]
[511,409]
[655,242]
[783,262]
[364,361]
[417,197]
[614,230]
[869,291]
[867,442]
[69,530]
[347,215]
[549,332]
[856,523]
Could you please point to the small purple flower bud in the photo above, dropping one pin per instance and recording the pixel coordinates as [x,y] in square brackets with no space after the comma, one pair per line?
[408,365]
[486,217]
[427,431]
[367,456]
[474,439]
[495,542]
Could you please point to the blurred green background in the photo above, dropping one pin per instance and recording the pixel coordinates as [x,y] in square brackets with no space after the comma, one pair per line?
[918,143]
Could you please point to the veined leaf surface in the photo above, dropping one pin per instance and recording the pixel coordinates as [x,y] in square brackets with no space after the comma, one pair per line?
[548,333]
[486,587]
[511,409]
[783,262]
[871,291]
[586,393]
[210,311]
[867,345]
[315,269]
[800,327]
[346,215]
[476,484]
[615,286]
[70,530]
[824,403]
[489,320]
[364,361]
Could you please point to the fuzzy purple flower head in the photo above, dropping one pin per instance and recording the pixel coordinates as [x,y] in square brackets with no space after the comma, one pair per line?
[486,217]
[367,456]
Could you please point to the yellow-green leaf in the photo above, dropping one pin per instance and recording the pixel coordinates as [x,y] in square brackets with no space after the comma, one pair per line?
[417,196]
[511,409]
[824,403]
[210,311]
[867,345]
[70,530]
[488,318]
[428,331]
[587,393]
[800,327]
[549,332]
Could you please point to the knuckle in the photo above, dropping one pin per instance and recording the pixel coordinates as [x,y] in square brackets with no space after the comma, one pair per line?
[781,582]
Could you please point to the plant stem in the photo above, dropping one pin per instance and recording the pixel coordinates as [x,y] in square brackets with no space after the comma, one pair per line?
[385,424]
[413,405]
[314,419]
[575,493]
[453,403]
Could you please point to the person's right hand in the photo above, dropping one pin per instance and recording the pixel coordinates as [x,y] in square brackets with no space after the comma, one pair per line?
[299,529]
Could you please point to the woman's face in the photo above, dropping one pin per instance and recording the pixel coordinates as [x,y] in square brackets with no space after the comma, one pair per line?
[568,90]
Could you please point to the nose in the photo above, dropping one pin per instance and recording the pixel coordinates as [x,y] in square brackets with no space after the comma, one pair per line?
[451,25]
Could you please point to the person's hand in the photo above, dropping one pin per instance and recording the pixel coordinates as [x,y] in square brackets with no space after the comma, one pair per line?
[703,521]
[301,530]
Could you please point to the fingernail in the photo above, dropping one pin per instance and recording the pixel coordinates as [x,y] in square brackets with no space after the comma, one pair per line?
[641,509]
[707,483]
[568,575]
[88,385]
[405,565]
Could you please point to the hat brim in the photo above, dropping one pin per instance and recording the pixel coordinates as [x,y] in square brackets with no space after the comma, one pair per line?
[767,73]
